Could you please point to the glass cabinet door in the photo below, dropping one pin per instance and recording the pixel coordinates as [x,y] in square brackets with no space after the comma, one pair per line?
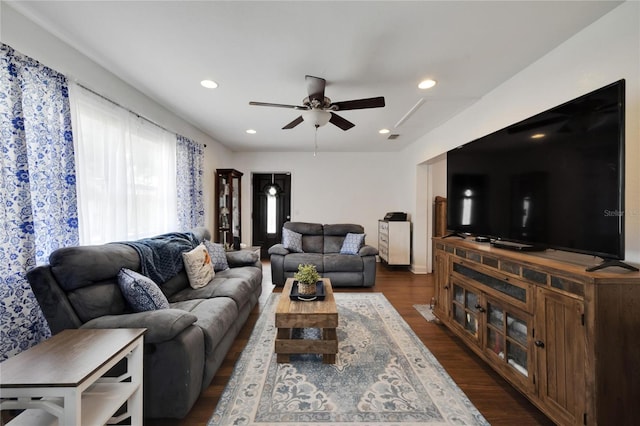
[508,339]
[235,206]
[465,309]
[228,211]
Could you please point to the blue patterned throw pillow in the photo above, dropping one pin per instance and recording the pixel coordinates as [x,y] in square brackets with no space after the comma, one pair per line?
[218,256]
[140,292]
[352,243]
[291,240]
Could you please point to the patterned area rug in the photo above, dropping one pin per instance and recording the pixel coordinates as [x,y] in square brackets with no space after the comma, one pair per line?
[383,375]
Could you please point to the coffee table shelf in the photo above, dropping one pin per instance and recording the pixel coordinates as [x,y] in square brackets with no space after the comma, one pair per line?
[61,381]
[322,314]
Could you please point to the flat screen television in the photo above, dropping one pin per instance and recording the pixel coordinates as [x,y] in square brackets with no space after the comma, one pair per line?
[554,180]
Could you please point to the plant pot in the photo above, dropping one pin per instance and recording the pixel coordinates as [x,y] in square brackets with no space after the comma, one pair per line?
[306,288]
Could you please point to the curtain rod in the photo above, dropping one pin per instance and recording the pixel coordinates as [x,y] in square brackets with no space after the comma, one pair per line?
[124,108]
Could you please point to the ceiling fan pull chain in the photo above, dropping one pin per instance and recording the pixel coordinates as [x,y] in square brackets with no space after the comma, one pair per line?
[315,140]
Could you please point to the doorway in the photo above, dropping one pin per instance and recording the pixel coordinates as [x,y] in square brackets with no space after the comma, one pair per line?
[271,208]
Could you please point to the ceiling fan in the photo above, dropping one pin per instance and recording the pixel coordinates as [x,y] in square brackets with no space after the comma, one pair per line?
[318,110]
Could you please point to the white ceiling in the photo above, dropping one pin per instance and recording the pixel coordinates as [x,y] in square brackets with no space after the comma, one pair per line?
[262,50]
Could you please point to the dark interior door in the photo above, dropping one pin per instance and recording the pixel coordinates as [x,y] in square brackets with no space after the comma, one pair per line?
[271,208]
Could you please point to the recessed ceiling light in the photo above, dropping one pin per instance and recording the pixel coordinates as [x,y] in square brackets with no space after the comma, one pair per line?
[251,131]
[209,84]
[383,131]
[427,84]
[538,136]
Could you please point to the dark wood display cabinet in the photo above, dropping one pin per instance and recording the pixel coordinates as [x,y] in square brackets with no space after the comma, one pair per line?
[228,207]
[568,339]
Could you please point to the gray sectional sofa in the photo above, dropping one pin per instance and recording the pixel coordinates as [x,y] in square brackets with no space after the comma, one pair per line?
[321,246]
[184,344]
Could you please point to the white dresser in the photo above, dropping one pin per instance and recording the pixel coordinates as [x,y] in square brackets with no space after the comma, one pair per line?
[394,242]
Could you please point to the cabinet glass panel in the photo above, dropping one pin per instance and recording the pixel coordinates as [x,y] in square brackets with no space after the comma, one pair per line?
[458,314]
[235,208]
[517,329]
[517,358]
[492,282]
[471,300]
[495,342]
[471,324]
[464,309]
[458,294]
[496,316]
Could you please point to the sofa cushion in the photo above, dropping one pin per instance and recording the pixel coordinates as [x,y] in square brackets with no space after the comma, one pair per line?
[215,317]
[312,235]
[237,289]
[197,263]
[161,325]
[179,282]
[334,235]
[69,265]
[291,261]
[292,240]
[218,256]
[98,300]
[342,263]
[352,243]
[342,229]
[140,292]
[250,274]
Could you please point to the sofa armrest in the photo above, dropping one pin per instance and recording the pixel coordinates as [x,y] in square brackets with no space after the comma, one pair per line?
[162,324]
[243,258]
[278,249]
[367,251]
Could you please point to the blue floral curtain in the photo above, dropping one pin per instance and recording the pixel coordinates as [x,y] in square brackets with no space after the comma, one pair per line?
[38,211]
[189,171]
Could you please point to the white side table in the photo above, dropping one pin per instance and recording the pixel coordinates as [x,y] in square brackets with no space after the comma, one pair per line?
[60,381]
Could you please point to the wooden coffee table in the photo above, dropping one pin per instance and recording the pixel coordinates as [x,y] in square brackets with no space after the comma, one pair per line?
[322,314]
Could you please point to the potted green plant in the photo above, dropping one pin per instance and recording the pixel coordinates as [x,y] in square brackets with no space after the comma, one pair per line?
[307,277]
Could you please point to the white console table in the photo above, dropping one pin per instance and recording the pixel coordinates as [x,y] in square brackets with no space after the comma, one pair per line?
[61,381]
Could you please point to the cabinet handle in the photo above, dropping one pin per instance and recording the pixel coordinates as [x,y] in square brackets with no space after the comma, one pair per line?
[480,308]
[539,343]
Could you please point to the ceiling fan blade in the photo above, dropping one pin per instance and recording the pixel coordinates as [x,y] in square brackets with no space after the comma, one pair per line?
[340,122]
[360,103]
[294,123]
[315,88]
[277,105]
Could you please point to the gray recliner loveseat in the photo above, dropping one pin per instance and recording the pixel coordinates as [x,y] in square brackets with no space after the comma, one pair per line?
[321,245]
[186,342]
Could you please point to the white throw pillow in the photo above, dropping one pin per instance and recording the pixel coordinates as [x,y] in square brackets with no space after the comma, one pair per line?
[198,265]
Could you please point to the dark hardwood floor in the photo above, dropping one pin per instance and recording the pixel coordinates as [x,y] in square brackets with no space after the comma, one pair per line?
[498,401]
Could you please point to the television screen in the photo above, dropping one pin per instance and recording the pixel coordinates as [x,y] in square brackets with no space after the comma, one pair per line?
[554,180]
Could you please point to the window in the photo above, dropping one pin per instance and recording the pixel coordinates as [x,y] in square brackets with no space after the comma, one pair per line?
[126,173]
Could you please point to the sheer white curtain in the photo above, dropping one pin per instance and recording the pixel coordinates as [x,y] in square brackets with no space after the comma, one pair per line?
[126,172]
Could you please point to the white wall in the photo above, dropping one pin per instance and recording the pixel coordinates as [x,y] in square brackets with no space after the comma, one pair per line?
[330,187]
[604,52]
[32,40]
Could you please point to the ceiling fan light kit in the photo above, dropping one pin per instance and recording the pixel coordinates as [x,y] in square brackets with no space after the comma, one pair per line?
[318,110]
[316,117]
